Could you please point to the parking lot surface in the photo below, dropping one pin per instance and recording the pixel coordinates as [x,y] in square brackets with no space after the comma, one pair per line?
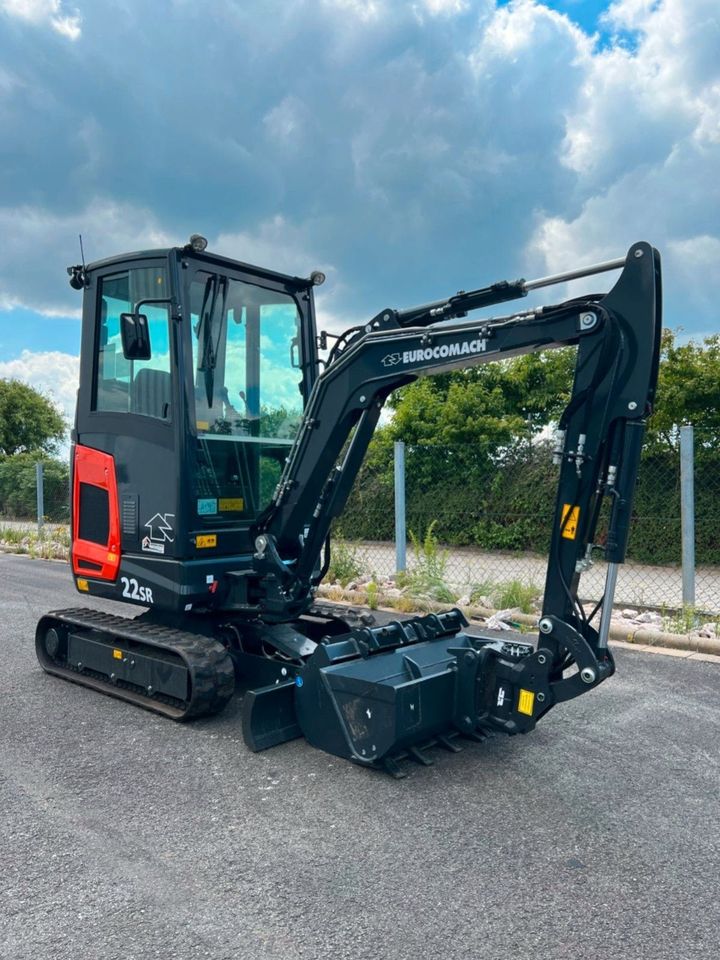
[123,835]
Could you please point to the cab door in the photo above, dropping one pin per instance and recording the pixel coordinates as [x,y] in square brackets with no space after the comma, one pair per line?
[125,490]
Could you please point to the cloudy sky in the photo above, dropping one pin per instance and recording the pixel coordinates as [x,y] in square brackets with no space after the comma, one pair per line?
[409,148]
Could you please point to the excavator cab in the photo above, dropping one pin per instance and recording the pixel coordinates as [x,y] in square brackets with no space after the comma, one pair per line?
[195,373]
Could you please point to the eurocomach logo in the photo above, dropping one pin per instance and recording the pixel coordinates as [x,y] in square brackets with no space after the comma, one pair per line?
[457,349]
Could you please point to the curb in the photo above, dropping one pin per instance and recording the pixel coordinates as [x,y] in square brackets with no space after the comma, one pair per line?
[636,636]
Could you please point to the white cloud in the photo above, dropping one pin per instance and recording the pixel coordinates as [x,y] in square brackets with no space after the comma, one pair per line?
[422,146]
[644,143]
[40,12]
[53,373]
[42,244]
[445,7]
[364,10]
[277,244]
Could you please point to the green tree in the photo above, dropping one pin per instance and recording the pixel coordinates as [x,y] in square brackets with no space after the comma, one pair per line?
[688,391]
[489,406]
[18,490]
[28,420]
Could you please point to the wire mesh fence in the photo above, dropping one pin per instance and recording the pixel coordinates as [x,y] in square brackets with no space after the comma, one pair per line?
[489,517]
[483,519]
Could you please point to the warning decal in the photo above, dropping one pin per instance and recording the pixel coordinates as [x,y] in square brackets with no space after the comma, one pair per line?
[526,702]
[569,524]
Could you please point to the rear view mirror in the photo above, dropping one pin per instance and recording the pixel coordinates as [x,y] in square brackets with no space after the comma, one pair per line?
[135,336]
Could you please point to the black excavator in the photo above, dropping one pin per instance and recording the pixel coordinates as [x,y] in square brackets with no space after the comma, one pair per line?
[212,449]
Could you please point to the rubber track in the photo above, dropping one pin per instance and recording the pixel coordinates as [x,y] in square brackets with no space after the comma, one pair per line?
[212,676]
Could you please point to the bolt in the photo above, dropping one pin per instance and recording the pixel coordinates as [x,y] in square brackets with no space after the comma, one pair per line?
[587,320]
[469,658]
[632,405]
[112,676]
[541,698]
[386,316]
[79,664]
[638,253]
[150,689]
[284,671]
[362,398]
[545,625]
[587,675]
[541,658]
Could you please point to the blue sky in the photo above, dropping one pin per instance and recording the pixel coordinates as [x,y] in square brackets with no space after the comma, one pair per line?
[409,148]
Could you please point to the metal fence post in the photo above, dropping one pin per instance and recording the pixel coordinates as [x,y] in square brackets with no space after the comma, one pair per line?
[40,496]
[687,514]
[400,532]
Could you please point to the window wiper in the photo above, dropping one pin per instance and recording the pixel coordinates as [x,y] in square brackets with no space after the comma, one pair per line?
[208,360]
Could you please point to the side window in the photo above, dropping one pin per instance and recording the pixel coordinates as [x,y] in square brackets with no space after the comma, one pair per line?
[133,386]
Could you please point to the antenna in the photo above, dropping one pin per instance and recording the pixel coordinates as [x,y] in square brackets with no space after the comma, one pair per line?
[82,252]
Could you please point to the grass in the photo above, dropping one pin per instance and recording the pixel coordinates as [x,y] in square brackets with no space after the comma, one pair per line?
[516,594]
[427,577]
[507,595]
[345,564]
[51,544]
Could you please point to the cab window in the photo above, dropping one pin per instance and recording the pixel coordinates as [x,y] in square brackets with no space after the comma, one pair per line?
[141,387]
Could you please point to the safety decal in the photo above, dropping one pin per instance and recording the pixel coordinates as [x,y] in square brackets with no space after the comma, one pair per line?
[207,506]
[161,532]
[232,503]
[206,540]
[526,702]
[569,521]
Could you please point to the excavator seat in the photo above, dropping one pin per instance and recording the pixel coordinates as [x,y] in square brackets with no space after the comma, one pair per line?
[150,394]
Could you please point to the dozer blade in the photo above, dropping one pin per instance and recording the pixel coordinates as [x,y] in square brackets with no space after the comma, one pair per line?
[268,716]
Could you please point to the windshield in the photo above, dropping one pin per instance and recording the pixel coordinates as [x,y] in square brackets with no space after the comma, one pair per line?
[247,390]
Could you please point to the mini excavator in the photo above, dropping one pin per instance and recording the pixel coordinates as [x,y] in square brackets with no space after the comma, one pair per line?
[213,448]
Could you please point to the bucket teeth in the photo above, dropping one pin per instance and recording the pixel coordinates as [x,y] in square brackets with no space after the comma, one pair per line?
[417,755]
[391,766]
[447,744]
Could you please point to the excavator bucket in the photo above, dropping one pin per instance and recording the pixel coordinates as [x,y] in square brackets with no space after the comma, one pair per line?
[379,694]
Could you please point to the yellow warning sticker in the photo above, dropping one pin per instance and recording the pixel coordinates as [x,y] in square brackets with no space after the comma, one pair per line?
[83,585]
[206,540]
[117,654]
[569,524]
[526,702]
[231,503]
[202,424]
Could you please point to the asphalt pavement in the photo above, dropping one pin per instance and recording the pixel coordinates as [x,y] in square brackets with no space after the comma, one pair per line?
[123,835]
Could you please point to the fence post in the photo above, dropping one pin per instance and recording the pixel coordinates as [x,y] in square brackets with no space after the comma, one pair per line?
[40,497]
[687,514]
[400,533]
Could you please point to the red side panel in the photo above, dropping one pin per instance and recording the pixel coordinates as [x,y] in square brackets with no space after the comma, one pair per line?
[96,515]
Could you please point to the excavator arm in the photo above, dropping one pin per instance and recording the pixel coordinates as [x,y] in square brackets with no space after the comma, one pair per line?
[599,435]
